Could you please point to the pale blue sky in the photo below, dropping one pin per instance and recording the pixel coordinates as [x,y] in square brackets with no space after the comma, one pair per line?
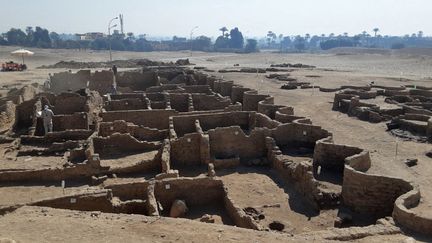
[253,17]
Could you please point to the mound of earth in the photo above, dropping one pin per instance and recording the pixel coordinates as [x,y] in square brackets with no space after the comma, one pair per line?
[131,63]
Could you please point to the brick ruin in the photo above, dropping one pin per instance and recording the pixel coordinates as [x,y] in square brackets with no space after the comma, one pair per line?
[407,109]
[172,132]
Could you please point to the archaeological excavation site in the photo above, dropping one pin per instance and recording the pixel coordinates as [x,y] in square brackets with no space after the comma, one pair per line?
[176,143]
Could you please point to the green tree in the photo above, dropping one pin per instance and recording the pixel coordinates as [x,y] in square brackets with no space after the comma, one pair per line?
[16,37]
[55,39]
[201,43]
[299,43]
[222,42]
[251,46]
[223,29]
[376,30]
[237,40]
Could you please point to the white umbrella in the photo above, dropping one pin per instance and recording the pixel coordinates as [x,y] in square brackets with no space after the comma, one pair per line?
[22,53]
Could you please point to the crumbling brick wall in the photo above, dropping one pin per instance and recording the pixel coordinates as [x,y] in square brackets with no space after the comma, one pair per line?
[229,142]
[147,118]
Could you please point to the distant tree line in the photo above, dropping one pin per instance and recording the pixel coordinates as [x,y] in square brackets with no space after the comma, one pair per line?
[229,41]
[324,42]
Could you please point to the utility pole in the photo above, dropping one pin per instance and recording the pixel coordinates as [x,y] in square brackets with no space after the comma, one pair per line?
[109,35]
[191,41]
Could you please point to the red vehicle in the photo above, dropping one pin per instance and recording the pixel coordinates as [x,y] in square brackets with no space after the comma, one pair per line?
[12,66]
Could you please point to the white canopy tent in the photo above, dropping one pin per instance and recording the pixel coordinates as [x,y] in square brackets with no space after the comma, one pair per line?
[22,53]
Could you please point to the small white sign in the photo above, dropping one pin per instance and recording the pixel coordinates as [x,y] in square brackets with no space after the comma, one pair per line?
[167,186]
[304,133]
[73,200]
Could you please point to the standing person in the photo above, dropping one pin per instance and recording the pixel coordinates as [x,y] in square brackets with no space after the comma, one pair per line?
[47,115]
[114,69]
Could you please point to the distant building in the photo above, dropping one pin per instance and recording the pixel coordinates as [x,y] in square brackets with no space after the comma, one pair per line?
[90,36]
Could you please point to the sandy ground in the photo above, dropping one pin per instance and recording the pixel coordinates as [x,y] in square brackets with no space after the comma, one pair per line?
[332,71]
[23,224]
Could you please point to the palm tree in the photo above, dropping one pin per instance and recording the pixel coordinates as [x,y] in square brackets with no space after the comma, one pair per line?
[376,30]
[420,34]
[223,29]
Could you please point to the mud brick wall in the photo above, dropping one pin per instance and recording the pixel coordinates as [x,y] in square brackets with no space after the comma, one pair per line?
[147,118]
[137,80]
[179,102]
[186,124]
[205,191]
[408,218]
[226,88]
[186,150]
[94,201]
[7,115]
[68,103]
[197,89]
[69,122]
[265,121]
[126,104]
[127,96]
[425,93]
[62,82]
[237,93]
[332,156]
[298,134]
[203,102]
[122,143]
[129,190]
[229,142]
[251,99]
[101,81]
[25,115]
[372,194]
[267,107]
[140,133]
[240,218]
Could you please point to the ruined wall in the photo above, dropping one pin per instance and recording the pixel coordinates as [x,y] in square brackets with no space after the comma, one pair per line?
[186,123]
[332,156]
[77,120]
[126,104]
[226,88]
[92,201]
[403,215]
[265,121]
[101,81]
[372,194]
[237,93]
[197,89]
[7,116]
[137,80]
[147,118]
[122,143]
[128,190]
[138,132]
[203,102]
[268,108]
[251,99]
[179,102]
[230,142]
[65,81]
[185,151]
[205,191]
[298,134]
[67,103]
